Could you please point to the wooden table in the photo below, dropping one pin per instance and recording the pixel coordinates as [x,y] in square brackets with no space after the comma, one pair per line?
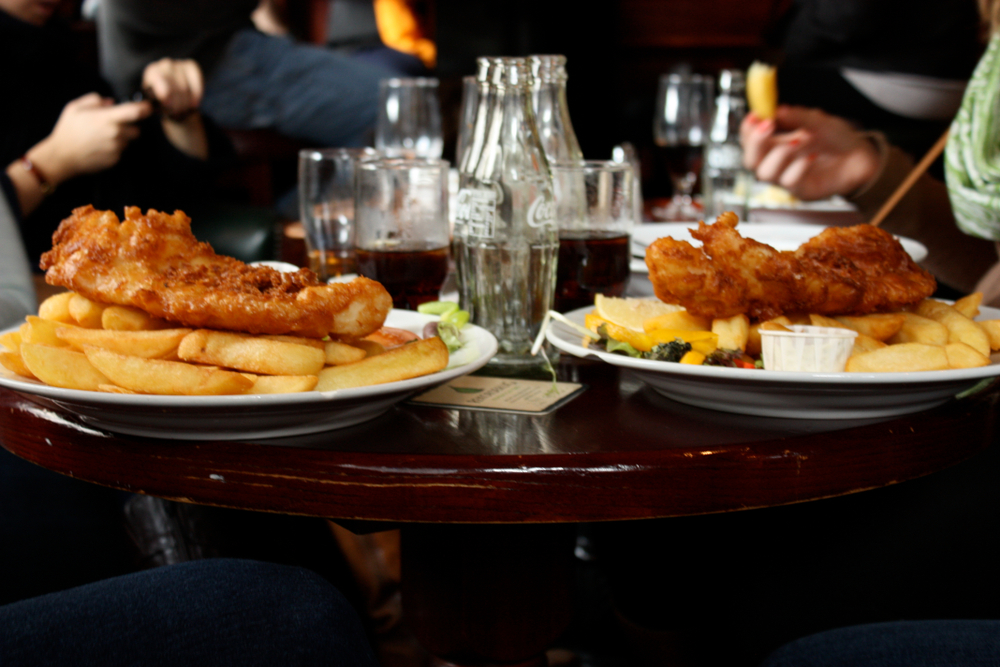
[488,501]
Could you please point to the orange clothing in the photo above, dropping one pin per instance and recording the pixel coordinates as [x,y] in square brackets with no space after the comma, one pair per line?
[399,29]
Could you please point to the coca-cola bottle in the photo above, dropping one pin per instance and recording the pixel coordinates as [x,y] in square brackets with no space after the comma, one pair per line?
[506,239]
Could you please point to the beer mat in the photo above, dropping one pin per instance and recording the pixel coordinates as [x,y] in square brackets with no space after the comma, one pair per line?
[497,394]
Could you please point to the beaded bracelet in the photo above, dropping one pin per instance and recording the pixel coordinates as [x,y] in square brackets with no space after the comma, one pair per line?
[43,183]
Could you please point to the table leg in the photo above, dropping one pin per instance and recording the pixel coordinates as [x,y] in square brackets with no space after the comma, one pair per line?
[487,594]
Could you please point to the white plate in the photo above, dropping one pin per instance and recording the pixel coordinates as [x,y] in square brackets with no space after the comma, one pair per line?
[780,236]
[259,416]
[785,393]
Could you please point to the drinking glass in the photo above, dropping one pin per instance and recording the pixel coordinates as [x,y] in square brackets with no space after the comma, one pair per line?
[681,125]
[595,212]
[401,221]
[409,118]
[326,207]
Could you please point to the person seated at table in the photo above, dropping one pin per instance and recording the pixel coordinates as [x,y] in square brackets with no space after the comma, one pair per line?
[65,143]
[253,80]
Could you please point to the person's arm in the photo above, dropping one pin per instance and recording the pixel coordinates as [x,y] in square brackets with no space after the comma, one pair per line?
[17,292]
[924,214]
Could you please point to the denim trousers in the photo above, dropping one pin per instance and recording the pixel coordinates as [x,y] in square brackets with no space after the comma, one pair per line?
[944,643]
[300,90]
[214,612]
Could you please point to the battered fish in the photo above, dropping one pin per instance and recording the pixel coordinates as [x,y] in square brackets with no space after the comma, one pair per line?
[154,262]
[841,271]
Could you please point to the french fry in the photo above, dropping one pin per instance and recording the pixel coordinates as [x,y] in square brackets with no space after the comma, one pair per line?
[11,340]
[13,362]
[282,384]
[905,357]
[961,355]
[371,347]
[920,329]
[342,353]
[969,304]
[114,389]
[960,328]
[156,376]
[992,330]
[155,344]
[250,353]
[42,332]
[818,320]
[762,89]
[880,326]
[733,332]
[299,340]
[126,318]
[863,343]
[414,359]
[62,367]
[773,325]
[85,312]
[789,319]
[56,308]
[678,319]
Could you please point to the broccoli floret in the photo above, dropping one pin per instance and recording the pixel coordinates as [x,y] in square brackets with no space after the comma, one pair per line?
[722,357]
[672,351]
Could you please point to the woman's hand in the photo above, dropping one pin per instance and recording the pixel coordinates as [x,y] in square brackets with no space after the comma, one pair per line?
[808,152]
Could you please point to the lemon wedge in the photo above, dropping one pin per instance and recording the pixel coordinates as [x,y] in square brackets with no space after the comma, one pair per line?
[630,312]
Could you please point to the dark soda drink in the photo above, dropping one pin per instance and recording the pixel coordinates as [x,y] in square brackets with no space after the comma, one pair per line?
[590,263]
[412,276]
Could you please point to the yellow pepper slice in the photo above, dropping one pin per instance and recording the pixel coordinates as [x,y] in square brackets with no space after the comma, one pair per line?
[693,357]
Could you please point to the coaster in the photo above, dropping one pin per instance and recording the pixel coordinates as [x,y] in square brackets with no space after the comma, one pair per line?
[479,392]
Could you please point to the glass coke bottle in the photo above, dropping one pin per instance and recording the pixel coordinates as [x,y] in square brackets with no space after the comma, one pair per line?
[548,101]
[506,238]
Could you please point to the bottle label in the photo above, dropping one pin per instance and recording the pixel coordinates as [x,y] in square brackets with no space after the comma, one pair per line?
[478,210]
[541,212]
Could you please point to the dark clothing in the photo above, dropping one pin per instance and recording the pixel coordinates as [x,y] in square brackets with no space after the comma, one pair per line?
[211,612]
[927,37]
[899,644]
[134,33]
[42,72]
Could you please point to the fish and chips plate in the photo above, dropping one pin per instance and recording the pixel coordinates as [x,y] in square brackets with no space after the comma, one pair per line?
[251,416]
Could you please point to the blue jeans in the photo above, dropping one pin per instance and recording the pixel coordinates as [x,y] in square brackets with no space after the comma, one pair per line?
[900,644]
[210,612]
[302,91]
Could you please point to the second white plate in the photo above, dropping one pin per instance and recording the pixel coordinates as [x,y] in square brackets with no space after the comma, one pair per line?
[784,393]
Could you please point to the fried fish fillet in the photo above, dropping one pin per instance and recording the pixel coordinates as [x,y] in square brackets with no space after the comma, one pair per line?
[154,262]
[841,271]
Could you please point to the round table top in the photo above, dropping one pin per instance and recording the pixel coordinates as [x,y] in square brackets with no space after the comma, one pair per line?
[617,451]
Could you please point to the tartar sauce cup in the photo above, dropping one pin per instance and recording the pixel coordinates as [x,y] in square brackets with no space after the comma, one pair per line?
[807,348]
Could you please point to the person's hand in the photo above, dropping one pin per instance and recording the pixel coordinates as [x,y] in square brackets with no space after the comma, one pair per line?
[808,152]
[89,136]
[177,85]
